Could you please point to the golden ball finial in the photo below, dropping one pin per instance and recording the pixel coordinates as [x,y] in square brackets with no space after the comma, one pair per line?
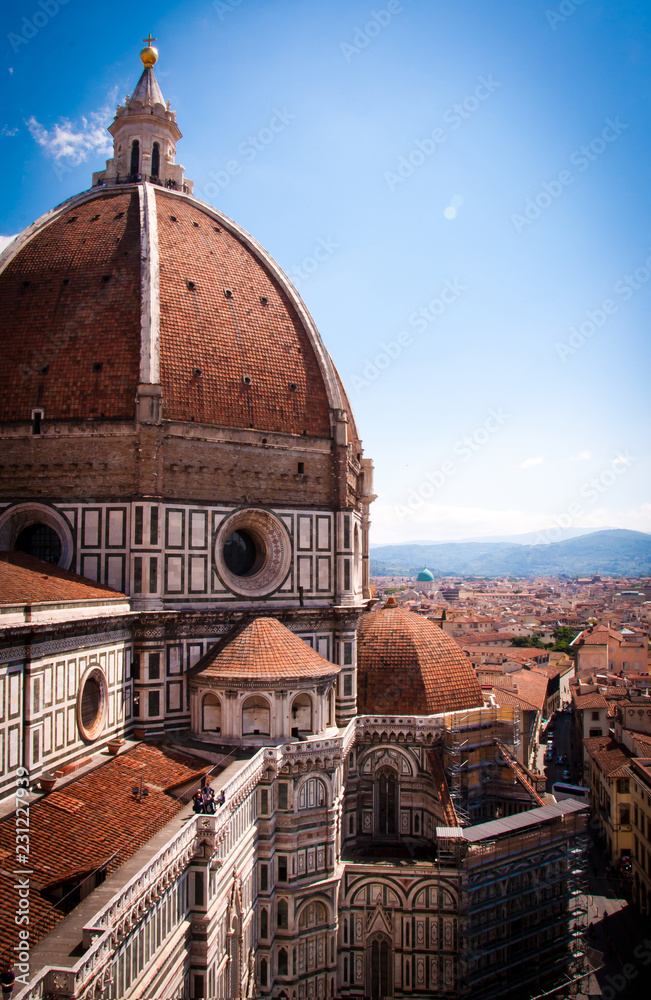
[149,54]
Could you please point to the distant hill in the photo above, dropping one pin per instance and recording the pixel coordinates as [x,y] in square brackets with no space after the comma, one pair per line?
[613,552]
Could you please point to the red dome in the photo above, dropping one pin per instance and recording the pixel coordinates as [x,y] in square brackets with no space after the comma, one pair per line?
[236,346]
[407,665]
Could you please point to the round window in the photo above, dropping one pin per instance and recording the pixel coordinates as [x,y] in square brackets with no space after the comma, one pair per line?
[91,704]
[243,552]
[41,541]
[252,552]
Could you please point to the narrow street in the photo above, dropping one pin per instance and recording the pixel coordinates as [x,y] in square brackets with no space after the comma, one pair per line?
[618,938]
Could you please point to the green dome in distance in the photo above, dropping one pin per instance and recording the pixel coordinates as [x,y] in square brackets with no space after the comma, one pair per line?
[424,575]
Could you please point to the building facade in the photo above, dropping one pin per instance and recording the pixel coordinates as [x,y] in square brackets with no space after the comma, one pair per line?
[184,518]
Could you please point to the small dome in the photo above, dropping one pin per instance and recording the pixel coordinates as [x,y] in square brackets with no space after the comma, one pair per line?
[263,650]
[425,576]
[407,665]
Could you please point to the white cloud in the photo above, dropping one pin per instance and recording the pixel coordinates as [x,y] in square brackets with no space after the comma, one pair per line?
[583,456]
[75,141]
[529,463]
[6,130]
[5,241]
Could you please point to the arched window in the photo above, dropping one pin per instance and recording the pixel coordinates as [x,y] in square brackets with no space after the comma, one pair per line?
[301,715]
[263,972]
[155,160]
[211,714]
[282,912]
[313,794]
[386,802]
[256,717]
[264,923]
[135,158]
[345,931]
[313,915]
[282,962]
[41,541]
[378,969]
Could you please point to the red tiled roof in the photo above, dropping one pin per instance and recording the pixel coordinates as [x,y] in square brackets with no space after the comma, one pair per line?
[608,754]
[408,665]
[263,648]
[483,638]
[26,580]
[59,316]
[94,819]
[595,700]
[230,338]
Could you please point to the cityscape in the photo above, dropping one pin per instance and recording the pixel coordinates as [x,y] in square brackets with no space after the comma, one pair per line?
[259,738]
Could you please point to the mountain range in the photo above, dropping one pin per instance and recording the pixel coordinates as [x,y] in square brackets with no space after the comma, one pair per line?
[611,552]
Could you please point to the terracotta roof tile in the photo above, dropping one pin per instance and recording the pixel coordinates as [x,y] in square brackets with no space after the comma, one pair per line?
[408,665]
[94,821]
[26,580]
[230,338]
[60,315]
[608,754]
[263,648]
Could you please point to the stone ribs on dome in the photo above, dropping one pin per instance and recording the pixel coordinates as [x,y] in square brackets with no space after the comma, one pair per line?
[408,665]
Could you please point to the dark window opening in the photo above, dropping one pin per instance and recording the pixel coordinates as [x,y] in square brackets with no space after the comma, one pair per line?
[97,366]
[264,878]
[155,160]
[37,416]
[153,526]
[154,704]
[301,468]
[346,574]
[282,868]
[90,703]
[40,541]
[282,962]
[153,574]
[242,554]
[137,531]
[135,157]
[154,666]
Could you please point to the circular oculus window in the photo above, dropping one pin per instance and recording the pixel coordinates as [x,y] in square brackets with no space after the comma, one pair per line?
[91,704]
[252,552]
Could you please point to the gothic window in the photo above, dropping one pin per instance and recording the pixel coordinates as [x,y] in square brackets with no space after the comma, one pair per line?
[263,972]
[386,802]
[282,912]
[264,923]
[155,160]
[135,158]
[282,962]
[378,968]
[345,932]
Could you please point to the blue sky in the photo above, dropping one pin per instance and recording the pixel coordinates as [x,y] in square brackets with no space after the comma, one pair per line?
[474,176]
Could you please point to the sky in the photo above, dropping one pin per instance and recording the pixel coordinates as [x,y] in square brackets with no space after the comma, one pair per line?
[459,191]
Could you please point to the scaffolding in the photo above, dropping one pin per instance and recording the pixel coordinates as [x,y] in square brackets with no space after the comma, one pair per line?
[479,777]
[525,918]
